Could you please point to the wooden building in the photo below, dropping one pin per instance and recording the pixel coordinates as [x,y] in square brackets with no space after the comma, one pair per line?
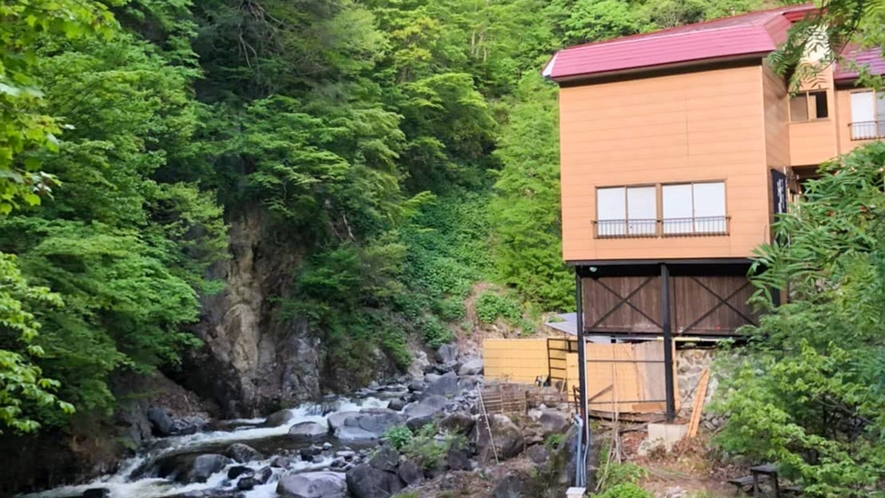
[678,148]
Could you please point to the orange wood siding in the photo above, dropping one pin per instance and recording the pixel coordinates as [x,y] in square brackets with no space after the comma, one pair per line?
[777,119]
[843,120]
[813,142]
[699,126]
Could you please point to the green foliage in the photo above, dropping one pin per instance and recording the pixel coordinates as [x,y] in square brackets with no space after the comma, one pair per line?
[621,473]
[400,436]
[491,306]
[554,441]
[427,448]
[525,210]
[22,384]
[626,490]
[808,394]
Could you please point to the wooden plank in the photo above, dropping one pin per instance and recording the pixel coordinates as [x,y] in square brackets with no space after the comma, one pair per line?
[698,406]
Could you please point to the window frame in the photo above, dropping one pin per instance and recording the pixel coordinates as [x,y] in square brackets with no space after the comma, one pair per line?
[659,230]
[808,106]
[879,125]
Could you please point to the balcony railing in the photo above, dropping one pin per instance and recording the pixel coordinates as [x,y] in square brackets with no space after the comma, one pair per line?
[867,130]
[669,227]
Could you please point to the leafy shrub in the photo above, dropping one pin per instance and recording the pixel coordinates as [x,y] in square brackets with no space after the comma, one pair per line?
[554,441]
[427,449]
[623,473]
[435,332]
[626,490]
[491,306]
[399,436]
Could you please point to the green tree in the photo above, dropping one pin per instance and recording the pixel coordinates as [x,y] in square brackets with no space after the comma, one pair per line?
[809,393]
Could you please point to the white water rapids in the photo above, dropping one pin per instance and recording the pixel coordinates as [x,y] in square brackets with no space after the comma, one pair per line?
[123,485]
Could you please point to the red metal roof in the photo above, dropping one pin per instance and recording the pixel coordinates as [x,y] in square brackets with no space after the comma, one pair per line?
[749,34]
[870,57]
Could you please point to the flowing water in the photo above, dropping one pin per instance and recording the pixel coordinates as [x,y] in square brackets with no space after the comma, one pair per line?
[134,478]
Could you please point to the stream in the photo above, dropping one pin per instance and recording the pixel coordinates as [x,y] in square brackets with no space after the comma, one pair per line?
[139,476]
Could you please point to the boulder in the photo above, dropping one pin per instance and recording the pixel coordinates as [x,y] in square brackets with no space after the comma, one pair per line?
[239,470]
[386,459]
[396,404]
[369,425]
[447,354]
[457,423]
[263,475]
[458,459]
[308,431]
[471,367]
[419,362]
[97,493]
[279,418]
[188,425]
[161,422]
[430,378]
[509,441]
[410,473]
[553,422]
[538,454]
[246,483]
[416,385]
[242,453]
[422,413]
[446,385]
[206,465]
[281,462]
[313,485]
[510,486]
[336,420]
[365,481]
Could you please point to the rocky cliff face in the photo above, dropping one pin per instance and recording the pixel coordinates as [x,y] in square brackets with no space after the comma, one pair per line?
[253,361]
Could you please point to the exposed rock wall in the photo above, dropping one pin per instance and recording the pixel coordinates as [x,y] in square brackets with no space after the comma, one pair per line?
[253,360]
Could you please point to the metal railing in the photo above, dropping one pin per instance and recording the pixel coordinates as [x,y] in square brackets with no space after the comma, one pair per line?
[867,130]
[668,227]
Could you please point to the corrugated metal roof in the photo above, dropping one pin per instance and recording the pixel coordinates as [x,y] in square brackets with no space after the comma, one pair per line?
[748,34]
[870,57]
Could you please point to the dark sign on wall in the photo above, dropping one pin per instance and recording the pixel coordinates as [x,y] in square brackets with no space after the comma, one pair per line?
[778,192]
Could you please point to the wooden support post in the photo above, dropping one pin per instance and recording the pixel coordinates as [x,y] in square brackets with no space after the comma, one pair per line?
[582,358]
[668,343]
[698,405]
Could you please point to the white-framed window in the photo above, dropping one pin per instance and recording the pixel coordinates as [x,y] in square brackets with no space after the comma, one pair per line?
[867,115]
[694,208]
[626,211]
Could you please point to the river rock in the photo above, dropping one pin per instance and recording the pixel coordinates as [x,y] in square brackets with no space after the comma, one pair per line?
[206,465]
[187,425]
[281,462]
[279,418]
[446,385]
[396,404]
[161,422]
[365,481]
[263,475]
[242,453]
[508,438]
[239,470]
[447,354]
[368,425]
[308,431]
[416,385]
[410,473]
[313,485]
[430,378]
[457,423]
[420,414]
[471,367]
[386,459]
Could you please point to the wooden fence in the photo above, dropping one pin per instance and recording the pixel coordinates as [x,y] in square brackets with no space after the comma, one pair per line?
[621,378]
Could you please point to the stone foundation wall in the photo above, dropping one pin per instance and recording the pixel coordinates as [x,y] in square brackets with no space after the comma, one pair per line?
[690,364]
